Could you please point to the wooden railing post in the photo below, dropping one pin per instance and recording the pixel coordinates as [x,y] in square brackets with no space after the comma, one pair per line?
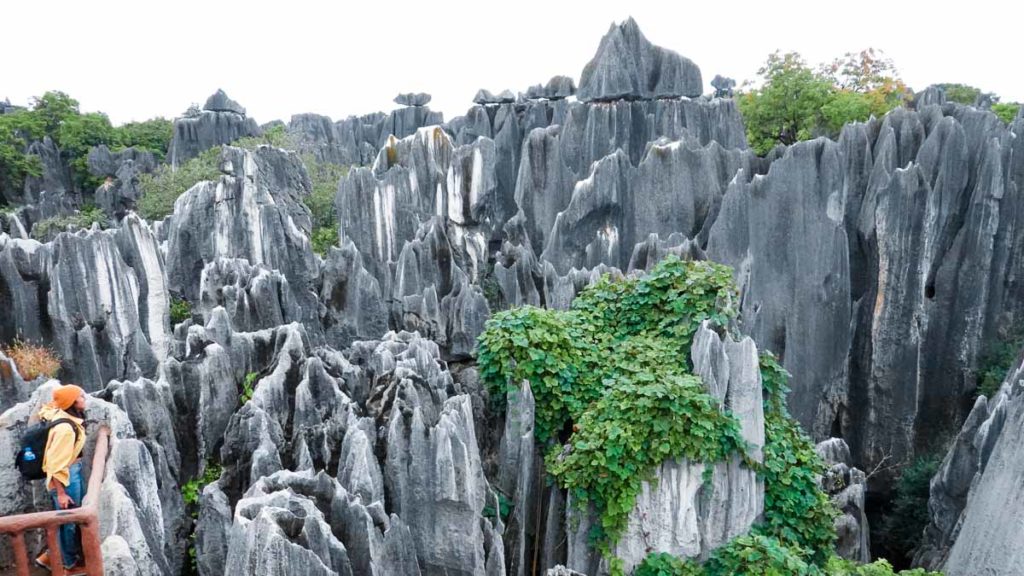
[20,553]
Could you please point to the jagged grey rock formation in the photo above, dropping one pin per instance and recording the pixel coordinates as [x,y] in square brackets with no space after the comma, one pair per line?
[484,97]
[254,211]
[761,231]
[974,504]
[628,66]
[412,99]
[122,169]
[723,86]
[558,88]
[219,102]
[221,121]
[847,487]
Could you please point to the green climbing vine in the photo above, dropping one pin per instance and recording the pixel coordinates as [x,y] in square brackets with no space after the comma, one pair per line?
[796,511]
[611,378]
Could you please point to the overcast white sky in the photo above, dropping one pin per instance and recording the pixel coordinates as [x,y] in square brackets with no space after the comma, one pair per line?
[137,59]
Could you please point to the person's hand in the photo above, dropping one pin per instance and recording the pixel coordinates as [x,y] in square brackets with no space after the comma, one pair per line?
[64,501]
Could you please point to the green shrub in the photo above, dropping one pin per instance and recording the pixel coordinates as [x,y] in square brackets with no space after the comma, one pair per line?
[757,555]
[248,386]
[161,188]
[994,364]
[191,490]
[840,567]
[151,135]
[795,102]
[602,383]
[181,310]
[324,239]
[46,229]
[903,525]
[796,511]
[960,93]
[1006,111]
[662,564]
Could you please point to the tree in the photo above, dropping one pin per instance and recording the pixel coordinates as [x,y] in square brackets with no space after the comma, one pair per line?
[17,130]
[795,102]
[787,107]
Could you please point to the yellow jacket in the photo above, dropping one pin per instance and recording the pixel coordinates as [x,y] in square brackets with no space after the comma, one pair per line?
[62,447]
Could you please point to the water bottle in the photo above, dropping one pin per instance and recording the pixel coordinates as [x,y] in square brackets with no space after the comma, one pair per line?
[28,455]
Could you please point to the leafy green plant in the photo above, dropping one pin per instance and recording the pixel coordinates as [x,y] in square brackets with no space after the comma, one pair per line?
[46,229]
[840,567]
[502,510]
[151,135]
[191,490]
[960,93]
[662,564]
[795,102]
[181,310]
[162,187]
[1006,111]
[903,525]
[757,555]
[796,511]
[248,386]
[324,239]
[611,379]
[1000,357]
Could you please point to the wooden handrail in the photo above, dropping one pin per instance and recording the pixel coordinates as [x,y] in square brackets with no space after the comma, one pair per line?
[86,516]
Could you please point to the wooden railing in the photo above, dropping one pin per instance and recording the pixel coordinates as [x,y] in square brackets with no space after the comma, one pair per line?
[86,516]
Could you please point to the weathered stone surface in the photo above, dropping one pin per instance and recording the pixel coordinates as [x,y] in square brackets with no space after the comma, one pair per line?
[353,305]
[253,296]
[484,97]
[254,211]
[847,487]
[412,99]
[434,474]
[558,88]
[628,66]
[796,293]
[221,121]
[54,178]
[723,86]
[219,102]
[974,508]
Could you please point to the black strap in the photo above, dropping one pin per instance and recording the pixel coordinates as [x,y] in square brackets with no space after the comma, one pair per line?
[74,426]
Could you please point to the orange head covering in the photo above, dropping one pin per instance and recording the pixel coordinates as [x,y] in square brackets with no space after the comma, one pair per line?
[66,395]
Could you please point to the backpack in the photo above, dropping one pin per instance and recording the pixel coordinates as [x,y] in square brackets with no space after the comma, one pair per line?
[33,446]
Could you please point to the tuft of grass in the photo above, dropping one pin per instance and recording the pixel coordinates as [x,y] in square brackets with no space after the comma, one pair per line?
[32,360]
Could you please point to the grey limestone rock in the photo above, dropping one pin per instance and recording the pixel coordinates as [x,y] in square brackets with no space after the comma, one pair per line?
[847,487]
[628,66]
[219,102]
[221,121]
[412,99]
[484,97]
[987,527]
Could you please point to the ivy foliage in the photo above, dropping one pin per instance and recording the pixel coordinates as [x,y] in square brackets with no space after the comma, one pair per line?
[612,380]
[796,511]
[616,397]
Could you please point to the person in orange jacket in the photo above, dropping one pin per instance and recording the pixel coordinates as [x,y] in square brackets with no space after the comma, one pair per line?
[62,462]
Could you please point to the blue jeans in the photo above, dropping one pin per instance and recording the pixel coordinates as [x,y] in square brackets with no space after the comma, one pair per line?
[70,542]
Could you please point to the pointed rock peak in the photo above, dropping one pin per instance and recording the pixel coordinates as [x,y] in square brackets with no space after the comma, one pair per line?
[412,99]
[219,102]
[628,66]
